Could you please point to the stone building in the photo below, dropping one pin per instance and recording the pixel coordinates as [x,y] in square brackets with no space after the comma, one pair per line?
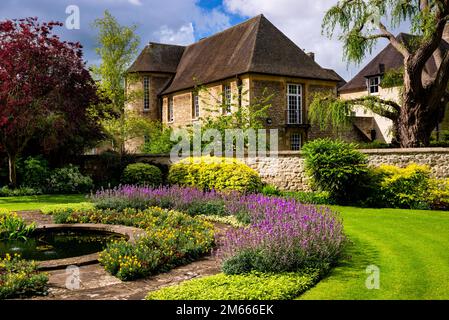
[236,65]
[368,82]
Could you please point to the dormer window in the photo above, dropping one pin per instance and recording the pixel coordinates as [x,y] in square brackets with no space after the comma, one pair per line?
[373,85]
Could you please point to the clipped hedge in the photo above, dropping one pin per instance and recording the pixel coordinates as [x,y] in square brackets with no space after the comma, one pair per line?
[209,173]
[142,174]
[251,286]
[439,194]
[404,187]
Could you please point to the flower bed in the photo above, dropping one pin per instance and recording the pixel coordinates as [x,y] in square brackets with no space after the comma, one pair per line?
[284,249]
[252,286]
[189,200]
[172,239]
[20,278]
[284,236]
[270,234]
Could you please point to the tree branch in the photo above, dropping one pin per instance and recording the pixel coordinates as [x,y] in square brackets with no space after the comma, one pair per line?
[394,41]
[440,84]
[426,50]
[376,105]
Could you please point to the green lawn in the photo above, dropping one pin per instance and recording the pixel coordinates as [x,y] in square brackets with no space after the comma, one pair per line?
[410,247]
[37,202]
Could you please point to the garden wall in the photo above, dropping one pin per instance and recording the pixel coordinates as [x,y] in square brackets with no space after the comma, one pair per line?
[287,171]
[291,175]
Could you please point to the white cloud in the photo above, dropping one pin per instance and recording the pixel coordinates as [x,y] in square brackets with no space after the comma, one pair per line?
[301,21]
[182,36]
[135,2]
[211,21]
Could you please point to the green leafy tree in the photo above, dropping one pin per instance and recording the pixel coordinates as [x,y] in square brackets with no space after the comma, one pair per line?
[133,126]
[424,97]
[117,48]
[158,139]
[235,112]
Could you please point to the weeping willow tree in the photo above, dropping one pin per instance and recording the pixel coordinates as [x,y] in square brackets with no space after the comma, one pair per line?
[362,23]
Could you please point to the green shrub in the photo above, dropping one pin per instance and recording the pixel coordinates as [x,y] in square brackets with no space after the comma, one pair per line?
[142,174]
[53,208]
[159,140]
[19,192]
[212,207]
[318,198]
[243,262]
[338,168]
[270,190]
[209,173]
[438,196]
[251,286]
[403,187]
[13,227]
[35,172]
[69,180]
[374,145]
[20,278]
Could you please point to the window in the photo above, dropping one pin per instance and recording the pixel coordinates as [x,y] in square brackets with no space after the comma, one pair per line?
[170,116]
[294,104]
[196,106]
[373,85]
[295,142]
[227,99]
[146,93]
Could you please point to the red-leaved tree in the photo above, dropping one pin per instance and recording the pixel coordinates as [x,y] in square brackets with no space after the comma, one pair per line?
[45,89]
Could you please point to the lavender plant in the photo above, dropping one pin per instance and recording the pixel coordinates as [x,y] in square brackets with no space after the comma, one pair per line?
[188,200]
[284,235]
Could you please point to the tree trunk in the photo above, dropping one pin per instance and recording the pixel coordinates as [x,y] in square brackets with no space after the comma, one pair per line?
[416,123]
[12,159]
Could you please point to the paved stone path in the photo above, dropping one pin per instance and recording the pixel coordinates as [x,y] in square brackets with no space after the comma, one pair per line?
[36,216]
[97,284]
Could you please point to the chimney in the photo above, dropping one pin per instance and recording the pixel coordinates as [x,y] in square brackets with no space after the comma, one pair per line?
[311,55]
[446,33]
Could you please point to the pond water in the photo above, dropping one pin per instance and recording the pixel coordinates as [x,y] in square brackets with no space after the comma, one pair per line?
[59,244]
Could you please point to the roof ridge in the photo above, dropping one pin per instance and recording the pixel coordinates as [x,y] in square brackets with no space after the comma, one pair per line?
[258,17]
[164,44]
[251,58]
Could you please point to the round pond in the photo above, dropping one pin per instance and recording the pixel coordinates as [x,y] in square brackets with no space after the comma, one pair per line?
[63,243]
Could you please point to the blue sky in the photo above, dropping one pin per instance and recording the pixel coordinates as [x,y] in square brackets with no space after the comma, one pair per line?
[186,21]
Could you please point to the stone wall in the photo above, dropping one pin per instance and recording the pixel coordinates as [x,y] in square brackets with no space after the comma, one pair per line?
[287,170]
[436,158]
[290,174]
